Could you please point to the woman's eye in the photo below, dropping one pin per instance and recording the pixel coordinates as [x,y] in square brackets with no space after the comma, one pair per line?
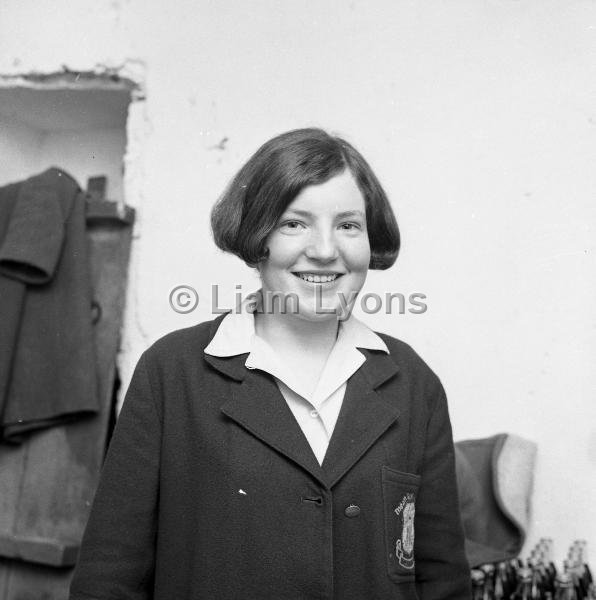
[350,226]
[291,226]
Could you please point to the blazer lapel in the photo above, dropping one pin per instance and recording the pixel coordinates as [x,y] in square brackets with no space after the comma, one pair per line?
[365,415]
[258,406]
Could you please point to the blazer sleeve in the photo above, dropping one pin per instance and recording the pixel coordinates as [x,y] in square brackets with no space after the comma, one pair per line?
[442,570]
[118,550]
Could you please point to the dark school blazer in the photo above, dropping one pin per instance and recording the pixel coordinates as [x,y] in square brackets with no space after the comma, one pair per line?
[211,491]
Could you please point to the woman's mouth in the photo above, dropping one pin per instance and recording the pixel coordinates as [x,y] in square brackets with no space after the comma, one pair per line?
[318,277]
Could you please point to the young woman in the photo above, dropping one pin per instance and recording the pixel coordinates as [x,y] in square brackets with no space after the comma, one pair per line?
[289,453]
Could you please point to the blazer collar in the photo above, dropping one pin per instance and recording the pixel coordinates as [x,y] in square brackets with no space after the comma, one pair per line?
[232,366]
[235,332]
[376,371]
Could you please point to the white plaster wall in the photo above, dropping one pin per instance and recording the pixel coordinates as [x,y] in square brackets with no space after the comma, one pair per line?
[19,150]
[26,150]
[88,153]
[479,118]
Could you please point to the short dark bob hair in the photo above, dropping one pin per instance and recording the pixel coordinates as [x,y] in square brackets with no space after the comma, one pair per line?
[276,173]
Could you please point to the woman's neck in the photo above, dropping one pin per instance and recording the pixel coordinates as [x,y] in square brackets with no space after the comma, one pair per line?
[290,334]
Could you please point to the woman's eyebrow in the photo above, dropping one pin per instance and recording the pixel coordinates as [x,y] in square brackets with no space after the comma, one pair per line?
[341,215]
[298,212]
[350,213]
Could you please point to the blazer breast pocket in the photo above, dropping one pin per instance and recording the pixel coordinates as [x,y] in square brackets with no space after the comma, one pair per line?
[399,502]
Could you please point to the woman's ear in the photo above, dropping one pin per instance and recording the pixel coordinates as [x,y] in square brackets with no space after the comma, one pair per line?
[259,264]
[253,265]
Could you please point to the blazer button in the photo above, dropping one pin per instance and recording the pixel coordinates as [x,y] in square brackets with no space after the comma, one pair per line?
[352,511]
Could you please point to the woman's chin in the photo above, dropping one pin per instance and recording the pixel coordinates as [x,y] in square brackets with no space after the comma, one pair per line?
[319,314]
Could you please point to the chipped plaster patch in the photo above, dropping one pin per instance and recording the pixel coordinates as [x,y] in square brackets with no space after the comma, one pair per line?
[129,75]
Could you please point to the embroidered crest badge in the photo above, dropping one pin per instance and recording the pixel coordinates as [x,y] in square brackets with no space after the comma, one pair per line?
[404,545]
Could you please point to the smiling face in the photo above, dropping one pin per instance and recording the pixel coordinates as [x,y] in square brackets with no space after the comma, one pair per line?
[319,247]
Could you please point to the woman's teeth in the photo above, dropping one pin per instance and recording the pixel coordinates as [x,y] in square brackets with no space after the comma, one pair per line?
[317,278]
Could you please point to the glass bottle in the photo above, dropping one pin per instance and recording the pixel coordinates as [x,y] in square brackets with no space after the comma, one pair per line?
[488,592]
[564,588]
[523,591]
[477,584]
[536,591]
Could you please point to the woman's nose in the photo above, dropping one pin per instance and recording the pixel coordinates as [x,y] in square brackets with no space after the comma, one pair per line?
[322,246]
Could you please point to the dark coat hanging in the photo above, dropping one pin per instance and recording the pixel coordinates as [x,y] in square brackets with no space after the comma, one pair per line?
[47,359]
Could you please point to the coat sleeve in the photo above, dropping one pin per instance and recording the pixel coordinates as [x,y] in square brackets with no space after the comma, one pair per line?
[118,550]
[442,570]
[31,249]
